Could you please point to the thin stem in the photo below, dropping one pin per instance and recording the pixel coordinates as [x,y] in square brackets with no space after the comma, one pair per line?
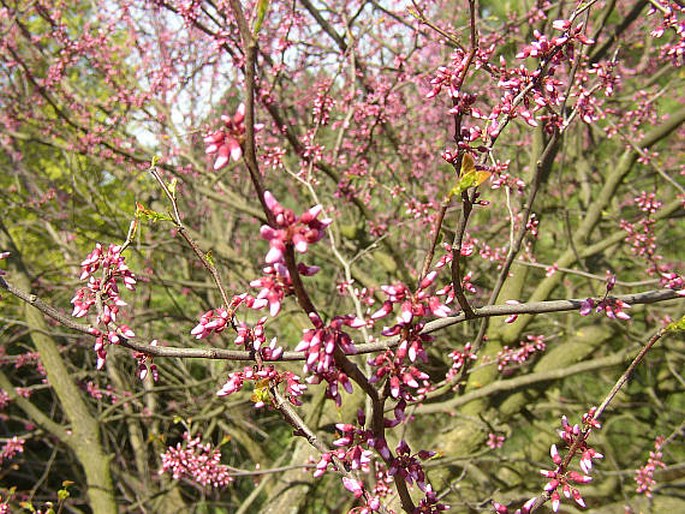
[176,215]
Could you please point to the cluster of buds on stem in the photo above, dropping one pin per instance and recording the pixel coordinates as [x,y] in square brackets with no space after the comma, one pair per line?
[320,344]
[196,462]
[644,477]
[264,378]
[103,292]
[613,307]
[289,229]
[227,142]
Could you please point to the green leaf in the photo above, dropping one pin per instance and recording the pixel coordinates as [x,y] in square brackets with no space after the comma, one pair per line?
[472,179]
[262,7]
[150,215]
[172,187]
[677,326]
[63,494]
[261,392]
[469,176]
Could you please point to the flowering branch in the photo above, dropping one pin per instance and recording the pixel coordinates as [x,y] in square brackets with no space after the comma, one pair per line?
[578,437]
[648,297]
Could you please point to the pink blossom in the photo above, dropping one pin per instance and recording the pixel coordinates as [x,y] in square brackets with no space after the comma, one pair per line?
[459,359]
[226,143]
[274,286]
[495,441]
[533,344]
[644,477]
[512,317]
[114,272]
[215,320]
[294,388]
[300,232]
[4,399]
[612,307]
[407,466]
[319,345]
[354,486]
[11,448]
[196,462]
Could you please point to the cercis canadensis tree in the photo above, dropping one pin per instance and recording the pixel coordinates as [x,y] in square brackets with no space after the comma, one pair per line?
[348,256]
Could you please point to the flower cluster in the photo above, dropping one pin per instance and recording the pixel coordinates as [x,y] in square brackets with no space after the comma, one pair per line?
[641,237]
[354,486]
[648,203]
[459,359]
[430,503]
[11,448]
[644,477]
[405,382]
[264,378]
[503,179]
[353,445]
[382,486]
[419,304]
[196,462]
[4,399]
[94,391]
[227,142]
[520,355]
[319,345]
[673,281]
[104,293]
[673,20]
[468,246]
[114,270]
[275,284]
[407,466]
[495,441]
[450,77]
[216,320]
[290,229]
[323,103]
[146,364]
[562,480]
[613,307]
[561,477]
[503,509]
[254,338]
[370,503]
